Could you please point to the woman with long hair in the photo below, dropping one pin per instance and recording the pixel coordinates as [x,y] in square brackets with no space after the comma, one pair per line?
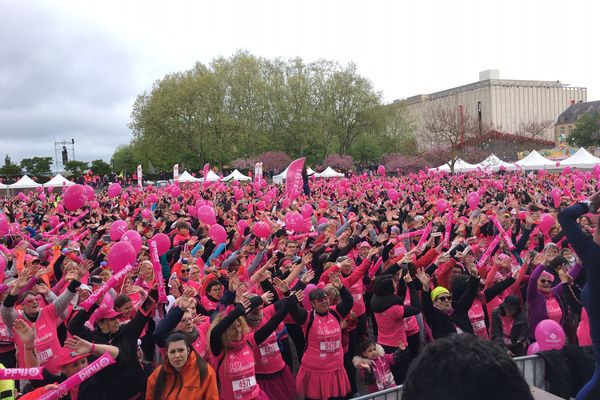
[183,374]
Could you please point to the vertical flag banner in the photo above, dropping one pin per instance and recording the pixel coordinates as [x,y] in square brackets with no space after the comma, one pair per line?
[293,178]
[139,175]
[176,174]
[258,172]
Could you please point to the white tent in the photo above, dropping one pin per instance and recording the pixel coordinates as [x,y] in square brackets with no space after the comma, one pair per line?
[281,177]
[459,166]
[329,173]
[212,177]
[581,159]
[25,183]
[186,177]
[535,161]
[237,176]
[58,181]
[493,163]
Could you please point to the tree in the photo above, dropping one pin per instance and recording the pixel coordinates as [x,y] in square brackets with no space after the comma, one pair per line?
[77,168]
[339,161]
[274,160]
[535,129]
[10,170]
[37,166]
[446,129]
[586,132]
[123,158]
[100,167]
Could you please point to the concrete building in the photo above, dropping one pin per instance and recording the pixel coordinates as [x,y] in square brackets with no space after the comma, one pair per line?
[504,105]
[567,119]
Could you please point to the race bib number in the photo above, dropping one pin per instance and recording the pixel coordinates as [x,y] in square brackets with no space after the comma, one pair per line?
[507,341]
[268,349]
[477,325]
[386,382]
[244,385]
[43,356]
[330,347]
[357,297]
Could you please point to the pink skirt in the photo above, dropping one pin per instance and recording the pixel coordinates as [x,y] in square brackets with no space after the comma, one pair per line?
[279,385]
[322,385]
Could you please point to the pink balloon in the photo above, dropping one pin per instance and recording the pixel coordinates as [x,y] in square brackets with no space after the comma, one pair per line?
[441,205]
[120,255]
[436,188]
[381,170]
[206,215]
[50,189]
[534,348]
[555,194]
[217,233]
[3,225]
[42,197]
[117,229]
[14,228]
[418,188]
[151,199]
[89,192]
[191,210]
[393,195]
[285,203]
[74,198]
[53,221]
[146,214]
[134,238]
[261,229]
[94,204]
[547,221]
[260,205]
[238,194]
[60,209]
[306,211]
[550,335]
[175,207]
[175,191]
[578,184]
[125,196]
[323,220]
[242,225]
[323,204]
[114,189]
[473,200]
[163,243]
[596,170]
[294,221]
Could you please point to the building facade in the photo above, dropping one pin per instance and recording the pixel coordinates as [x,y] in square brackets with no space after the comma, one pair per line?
[502,104]
[566,121]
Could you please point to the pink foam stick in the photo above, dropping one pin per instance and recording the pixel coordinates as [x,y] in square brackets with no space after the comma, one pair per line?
[448,228]
[409,235]
[303,235]
[22,373]
[373,269]
[56,228]
[486,255]
[505,236]
[111,283]
[158,277]
[75,380]
[425,234]
[81,235]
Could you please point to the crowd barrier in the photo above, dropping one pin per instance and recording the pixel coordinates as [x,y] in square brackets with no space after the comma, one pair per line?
[532,368]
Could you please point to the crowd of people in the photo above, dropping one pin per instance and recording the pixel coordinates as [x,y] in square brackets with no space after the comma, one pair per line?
[237,291]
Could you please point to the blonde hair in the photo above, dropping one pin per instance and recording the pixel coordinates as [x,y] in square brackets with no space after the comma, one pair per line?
[225,341]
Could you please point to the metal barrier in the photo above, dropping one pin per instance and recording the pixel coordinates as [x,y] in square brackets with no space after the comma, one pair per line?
[532,368]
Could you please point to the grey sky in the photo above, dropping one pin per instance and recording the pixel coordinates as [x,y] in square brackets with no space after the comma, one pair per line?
[72,69]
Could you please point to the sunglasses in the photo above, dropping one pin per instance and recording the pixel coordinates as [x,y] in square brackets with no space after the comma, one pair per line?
[544,281]
[184,270]
[444,298]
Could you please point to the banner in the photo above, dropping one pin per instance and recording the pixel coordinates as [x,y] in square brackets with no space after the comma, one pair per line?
[293,179]
[22,373]
[139,175]
[258,172]
[75,380]
[176,174]
[205,174]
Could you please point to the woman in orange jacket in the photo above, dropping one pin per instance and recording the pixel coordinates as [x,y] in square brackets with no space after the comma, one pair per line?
[183,375]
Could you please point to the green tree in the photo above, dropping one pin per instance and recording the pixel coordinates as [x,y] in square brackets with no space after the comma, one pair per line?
[77,168]
[100,167]
[586,132]
[37,166]
[123,158]
[9,169]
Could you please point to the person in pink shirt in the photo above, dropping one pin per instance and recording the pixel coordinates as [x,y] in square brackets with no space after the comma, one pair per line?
[376,366]
[322,374]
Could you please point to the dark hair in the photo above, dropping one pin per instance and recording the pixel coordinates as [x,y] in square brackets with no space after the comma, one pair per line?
[464,367]
[121,300]
[383,286]
[182,225]
[557,262]
[316,294]
[159,388]
[364,345]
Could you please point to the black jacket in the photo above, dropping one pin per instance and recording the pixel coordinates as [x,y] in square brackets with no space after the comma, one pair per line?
[518,334]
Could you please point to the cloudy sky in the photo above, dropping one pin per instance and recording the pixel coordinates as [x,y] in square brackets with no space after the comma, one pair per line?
[72,69]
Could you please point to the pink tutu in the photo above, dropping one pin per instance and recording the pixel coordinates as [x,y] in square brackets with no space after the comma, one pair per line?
[280,385]
[322,385]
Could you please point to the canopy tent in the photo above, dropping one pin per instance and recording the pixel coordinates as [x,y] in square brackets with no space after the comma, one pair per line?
[329,173]
[581,159]
[58,181]
[459,166]
[24,183]
[493,163]
[212,177]
[186,177]
[534,161]
[281,177]
[3,186]
[237,176]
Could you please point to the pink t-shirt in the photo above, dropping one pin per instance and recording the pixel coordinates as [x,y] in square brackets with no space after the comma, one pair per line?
[477,319]
[507,325]
[357,290]
[324,350]
[390,324]
[237,376]
[267,355]
[411,326]
[553,309]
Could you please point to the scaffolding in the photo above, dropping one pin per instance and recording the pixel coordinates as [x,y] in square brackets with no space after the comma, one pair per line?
[64,151]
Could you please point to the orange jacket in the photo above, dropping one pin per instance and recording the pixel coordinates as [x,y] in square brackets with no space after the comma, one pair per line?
[187,384]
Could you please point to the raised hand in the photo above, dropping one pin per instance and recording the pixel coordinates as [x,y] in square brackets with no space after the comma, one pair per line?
[267,297]
[308,276]
[423,278]
[25,332]
[78,345]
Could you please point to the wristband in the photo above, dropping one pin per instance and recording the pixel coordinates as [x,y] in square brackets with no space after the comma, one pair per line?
[93,348]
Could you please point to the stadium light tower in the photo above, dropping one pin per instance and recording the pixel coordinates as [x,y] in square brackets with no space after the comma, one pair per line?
[64,151]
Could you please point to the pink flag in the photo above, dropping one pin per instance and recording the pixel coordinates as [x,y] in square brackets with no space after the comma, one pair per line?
[205,174]
[293,178]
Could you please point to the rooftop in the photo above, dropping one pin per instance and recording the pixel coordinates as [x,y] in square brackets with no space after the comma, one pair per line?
[571,114]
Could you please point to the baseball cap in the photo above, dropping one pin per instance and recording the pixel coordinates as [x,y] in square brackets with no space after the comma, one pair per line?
[68,356]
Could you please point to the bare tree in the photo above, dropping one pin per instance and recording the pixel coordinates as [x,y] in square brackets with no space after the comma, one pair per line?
[448,128]
[535,129]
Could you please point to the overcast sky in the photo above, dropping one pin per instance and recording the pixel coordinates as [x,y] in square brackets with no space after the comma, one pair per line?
[72,69]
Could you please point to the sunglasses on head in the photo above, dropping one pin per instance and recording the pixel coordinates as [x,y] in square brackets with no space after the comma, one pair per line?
[444,298]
